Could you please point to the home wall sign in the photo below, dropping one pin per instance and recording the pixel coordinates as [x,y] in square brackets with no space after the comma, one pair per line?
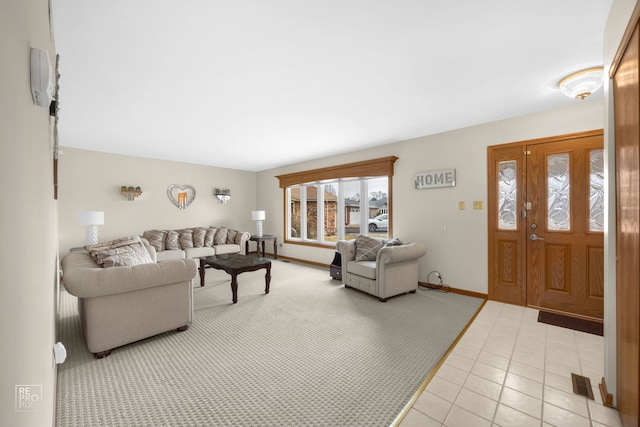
[436,179]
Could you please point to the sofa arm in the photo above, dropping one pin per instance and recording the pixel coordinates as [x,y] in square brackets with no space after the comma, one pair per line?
[85,279]
[242,237]
[394,254]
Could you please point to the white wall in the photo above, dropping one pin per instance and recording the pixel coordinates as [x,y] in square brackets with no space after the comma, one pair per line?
[27,219]
[91,180]
[619,16]
[456,240]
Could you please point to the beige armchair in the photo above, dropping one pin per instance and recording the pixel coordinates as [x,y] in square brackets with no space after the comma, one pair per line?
[394,270]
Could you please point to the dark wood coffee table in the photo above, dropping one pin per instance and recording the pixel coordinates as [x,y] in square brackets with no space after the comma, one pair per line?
[235,264]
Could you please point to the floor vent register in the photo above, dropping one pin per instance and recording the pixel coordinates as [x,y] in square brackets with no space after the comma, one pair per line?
[582,386]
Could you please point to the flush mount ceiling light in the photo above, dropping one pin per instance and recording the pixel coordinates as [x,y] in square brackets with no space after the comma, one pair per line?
[581,84]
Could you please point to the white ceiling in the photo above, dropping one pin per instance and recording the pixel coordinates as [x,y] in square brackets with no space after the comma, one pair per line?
[256,84]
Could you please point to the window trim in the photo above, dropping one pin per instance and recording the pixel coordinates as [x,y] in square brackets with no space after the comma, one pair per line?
[383,166]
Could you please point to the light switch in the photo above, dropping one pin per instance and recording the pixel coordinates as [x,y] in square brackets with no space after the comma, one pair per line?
[477,204]
[461,206]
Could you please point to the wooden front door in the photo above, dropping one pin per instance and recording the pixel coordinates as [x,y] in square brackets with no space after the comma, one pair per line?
[551,246]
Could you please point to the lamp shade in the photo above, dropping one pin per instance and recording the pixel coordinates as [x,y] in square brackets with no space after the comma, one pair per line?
[581,84]
[92,218]
[258,215]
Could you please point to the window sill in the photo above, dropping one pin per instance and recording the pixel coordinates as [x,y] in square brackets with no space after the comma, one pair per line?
[312,244]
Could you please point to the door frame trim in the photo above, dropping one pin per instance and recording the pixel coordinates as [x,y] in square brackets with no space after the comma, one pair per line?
[564,137]
[490,183]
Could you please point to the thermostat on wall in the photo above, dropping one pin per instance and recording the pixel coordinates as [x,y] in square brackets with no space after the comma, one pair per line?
[41,84]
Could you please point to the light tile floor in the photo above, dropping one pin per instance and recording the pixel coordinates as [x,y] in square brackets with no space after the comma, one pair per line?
[509,370]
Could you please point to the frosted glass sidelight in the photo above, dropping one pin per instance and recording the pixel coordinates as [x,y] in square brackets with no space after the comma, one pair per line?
[558,195]
[507,195]
[596,190]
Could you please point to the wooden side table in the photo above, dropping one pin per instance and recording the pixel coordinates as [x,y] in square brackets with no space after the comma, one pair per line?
[260,241]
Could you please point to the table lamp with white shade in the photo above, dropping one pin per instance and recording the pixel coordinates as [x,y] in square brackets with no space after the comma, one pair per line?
[92,219]
[258,217]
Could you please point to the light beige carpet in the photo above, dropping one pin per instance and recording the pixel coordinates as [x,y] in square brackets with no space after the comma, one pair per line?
[310,353]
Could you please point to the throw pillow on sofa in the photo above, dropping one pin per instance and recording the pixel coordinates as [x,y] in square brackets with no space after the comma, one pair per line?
[171,240]
[186,238]
[367,248]
[155,238]
[394,242]
[231,236]
[209,237]
[128,251]
[221,236]
[127,256]
[99,247]
[198,236]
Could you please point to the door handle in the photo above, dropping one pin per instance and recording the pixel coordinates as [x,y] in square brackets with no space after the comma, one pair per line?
[534,237]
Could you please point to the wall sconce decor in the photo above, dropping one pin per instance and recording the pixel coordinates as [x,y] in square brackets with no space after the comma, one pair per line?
[91,219]
[583,83]
[258,217]
[130,193]
[222,195]
[181,195]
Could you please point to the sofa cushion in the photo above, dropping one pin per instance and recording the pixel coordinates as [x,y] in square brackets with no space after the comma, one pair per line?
[221,236]
[155,238]
[227,249]
[362,268]
[198,252]
[367,248]
[198,236]
[171,240]
[186,238]
[172,254]
[208,237]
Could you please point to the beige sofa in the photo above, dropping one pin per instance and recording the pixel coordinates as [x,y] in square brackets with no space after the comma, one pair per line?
[196,242]
[122,304]
[380,267]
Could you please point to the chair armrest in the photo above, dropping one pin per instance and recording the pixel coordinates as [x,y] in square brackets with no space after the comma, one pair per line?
[347,249]
[394,254]
[84,278]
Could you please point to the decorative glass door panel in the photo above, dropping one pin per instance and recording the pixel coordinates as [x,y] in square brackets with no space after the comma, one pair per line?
[596,190]
[558,192]
[507,195]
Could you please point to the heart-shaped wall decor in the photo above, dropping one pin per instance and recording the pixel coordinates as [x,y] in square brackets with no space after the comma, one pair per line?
[181,195]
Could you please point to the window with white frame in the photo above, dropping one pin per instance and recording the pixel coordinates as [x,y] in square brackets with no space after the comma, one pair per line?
[325,210]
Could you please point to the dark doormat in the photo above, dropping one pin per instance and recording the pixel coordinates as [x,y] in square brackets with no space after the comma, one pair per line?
[569,322]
